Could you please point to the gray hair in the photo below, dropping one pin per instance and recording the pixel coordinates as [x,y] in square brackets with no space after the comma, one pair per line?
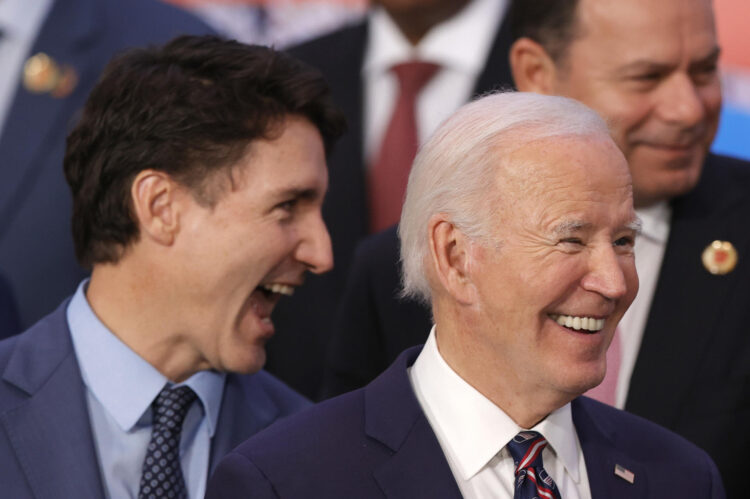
[456,169]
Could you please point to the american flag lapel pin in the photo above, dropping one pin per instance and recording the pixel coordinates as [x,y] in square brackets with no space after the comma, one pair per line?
[624,473]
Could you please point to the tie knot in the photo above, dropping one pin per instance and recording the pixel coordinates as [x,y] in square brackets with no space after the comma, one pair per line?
[171,405]
[526,449]
[412,76]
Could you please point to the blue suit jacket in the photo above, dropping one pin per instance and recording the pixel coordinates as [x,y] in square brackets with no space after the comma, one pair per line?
[46,443]
[377,442]
[36,248]
[8,312]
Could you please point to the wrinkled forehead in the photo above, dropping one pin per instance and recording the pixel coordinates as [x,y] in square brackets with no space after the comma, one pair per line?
[539,167]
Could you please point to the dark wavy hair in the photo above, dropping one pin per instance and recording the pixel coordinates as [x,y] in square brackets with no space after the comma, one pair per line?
[550,23]
[190,109]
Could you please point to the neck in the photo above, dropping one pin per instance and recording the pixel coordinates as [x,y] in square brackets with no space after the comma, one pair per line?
[128,300]
[525,405]
[416,21]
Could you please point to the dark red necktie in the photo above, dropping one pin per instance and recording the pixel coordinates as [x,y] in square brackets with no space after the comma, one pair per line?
[390,173]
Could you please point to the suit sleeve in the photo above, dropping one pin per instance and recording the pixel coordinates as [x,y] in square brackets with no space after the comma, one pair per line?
[237,477]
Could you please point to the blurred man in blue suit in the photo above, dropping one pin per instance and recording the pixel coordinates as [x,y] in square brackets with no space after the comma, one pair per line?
[52,52]
[518,229]
[198,174]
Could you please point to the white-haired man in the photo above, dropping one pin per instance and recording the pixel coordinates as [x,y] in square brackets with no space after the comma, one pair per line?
[518,228]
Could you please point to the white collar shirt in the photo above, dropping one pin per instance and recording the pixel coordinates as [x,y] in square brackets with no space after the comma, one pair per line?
[20,21]
[460,45]
[649,253]
[473,433]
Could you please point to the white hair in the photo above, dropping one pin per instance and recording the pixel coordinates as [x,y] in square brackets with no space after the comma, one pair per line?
[456,169]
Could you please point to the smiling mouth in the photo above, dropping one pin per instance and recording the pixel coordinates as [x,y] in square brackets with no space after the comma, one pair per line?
[579,323]
[276,289]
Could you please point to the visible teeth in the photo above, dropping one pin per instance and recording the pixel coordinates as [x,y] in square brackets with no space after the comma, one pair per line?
[281,289]
[578,323]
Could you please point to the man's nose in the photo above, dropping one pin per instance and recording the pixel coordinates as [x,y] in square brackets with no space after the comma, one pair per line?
[606,275]
[681,102]
[315,248]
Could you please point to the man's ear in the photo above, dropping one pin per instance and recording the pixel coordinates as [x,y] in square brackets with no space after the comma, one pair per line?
[450,252]
[153,194]
[532,67]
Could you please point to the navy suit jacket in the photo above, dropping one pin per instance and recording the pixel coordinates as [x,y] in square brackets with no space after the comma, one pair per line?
[377,442]
[692,374]
[46,442]
[8,312]
[304,322]
[36,247]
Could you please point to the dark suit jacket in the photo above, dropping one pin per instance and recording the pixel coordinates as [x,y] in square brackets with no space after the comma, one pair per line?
[36,248]
[8,312]
[692,374]
[46,442]
[304,322]
[377,442]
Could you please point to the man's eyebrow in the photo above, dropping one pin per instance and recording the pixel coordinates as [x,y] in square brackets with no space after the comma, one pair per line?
[297,193]
[636,225]
[651,65]
[573,226]
[711,58]
[570,226]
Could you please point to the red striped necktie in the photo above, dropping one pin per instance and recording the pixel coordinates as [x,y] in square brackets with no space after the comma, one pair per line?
[532,480]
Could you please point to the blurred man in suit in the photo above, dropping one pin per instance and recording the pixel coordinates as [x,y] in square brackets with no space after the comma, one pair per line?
[396,75]
[52,52]
[518,229]
[651,72]
[198,174]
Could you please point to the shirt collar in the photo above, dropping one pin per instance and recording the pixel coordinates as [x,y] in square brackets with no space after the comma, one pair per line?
[655,221]
[475,429]
[462,42]
[123,382]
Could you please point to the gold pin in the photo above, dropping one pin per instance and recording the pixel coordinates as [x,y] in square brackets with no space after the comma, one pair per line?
[719,257]
[41,74]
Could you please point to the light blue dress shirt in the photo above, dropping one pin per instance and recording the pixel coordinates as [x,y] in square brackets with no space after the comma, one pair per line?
[120,387]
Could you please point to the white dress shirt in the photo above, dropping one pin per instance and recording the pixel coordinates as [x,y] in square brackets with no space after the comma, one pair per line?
[649,253]
[473,433]
[20,21]
[120,387]
[460,45]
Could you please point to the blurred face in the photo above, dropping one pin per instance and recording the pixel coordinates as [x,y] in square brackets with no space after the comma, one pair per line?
[253,247]
[562,275]
[650,69]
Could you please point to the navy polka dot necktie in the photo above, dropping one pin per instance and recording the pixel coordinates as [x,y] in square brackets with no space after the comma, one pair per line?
[162,472]
[532,481]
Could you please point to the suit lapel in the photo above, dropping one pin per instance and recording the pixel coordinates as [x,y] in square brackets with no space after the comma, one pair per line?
[36,119]
[688,299]
[393,416]
[246,408]
[50,431]
[601,456]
